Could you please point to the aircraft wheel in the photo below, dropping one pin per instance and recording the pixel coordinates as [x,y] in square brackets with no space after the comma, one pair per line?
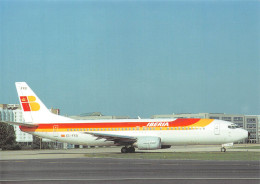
[124,150]
[223,149]
[131,150]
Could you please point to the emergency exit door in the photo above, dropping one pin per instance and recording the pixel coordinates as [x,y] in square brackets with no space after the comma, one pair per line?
[217,129]
[55,130]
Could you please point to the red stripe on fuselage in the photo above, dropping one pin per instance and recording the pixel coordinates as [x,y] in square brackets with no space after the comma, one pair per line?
[175,123]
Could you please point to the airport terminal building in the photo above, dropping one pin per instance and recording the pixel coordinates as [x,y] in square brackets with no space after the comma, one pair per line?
[247,122]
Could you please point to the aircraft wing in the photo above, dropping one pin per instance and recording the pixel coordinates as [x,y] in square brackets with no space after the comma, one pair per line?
[118,139]
[20,124]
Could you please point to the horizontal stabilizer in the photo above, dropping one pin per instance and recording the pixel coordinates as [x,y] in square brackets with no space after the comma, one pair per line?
[20,124]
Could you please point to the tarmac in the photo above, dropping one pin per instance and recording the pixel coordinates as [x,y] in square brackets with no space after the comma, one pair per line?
[71,166]
[105,170]
[80,153]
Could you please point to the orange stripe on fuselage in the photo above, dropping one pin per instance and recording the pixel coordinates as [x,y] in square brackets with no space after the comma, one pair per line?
[202,123]
[176,123]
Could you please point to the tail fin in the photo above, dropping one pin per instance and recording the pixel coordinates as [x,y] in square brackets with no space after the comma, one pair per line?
[34,111]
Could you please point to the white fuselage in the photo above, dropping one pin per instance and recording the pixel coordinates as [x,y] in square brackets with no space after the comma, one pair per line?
[216,132]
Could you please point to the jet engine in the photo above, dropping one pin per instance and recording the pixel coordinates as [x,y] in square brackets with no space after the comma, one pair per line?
[148,143]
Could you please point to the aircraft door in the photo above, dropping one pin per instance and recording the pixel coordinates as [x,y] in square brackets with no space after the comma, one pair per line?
[217,129]
[55,130]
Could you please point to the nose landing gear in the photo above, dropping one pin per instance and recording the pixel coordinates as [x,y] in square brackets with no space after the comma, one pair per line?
[223,149]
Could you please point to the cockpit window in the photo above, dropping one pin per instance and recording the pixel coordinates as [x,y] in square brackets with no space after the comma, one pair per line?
[233,126]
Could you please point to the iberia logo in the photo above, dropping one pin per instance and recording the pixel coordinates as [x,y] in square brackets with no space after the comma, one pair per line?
[29,104]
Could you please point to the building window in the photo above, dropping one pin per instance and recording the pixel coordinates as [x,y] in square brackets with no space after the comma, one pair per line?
[238,118]
[226,118]
[251,120]
[212,117]
[251,125]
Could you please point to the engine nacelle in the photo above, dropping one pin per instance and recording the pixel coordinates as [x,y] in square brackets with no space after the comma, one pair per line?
[148,143]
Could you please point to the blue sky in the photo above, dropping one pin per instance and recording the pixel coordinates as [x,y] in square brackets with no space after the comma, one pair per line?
[135,58]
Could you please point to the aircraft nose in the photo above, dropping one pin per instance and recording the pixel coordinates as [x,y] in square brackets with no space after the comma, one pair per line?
[245,134]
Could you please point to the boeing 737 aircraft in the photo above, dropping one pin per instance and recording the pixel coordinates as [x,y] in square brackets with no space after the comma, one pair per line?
[144,134]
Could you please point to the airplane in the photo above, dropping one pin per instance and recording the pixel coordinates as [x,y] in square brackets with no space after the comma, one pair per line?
[143,134]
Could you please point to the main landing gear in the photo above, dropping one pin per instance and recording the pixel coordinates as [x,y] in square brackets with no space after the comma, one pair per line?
[128,149]
[223,149]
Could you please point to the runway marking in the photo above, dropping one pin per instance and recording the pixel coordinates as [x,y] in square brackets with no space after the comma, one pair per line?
[122,179]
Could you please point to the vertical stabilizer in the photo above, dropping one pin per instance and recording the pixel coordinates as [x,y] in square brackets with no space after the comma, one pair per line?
[34,111]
